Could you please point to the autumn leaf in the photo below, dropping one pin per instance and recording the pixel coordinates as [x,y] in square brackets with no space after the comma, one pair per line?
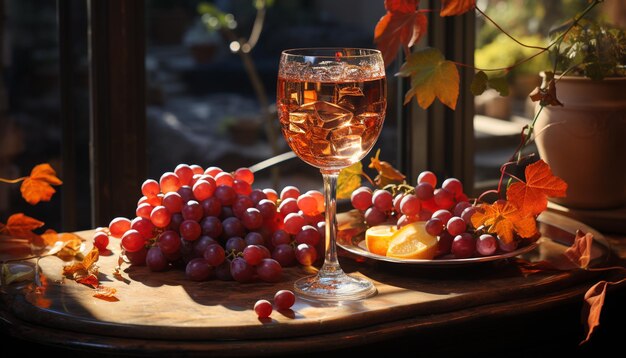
[499,84]
[387,174]
[349,180]
[546,94]
[402,26]
[85,271]
[479,83]
[505,219]
[22,226]
[532,196]
[38,186]
[106,293]
[431,76]
[456,7]
[580,251]
[65,245]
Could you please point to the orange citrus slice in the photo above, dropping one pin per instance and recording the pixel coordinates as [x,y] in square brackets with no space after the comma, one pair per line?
[412,242]
[377,238]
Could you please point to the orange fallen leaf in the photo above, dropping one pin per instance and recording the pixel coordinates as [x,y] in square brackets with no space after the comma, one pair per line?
[38,186]
[85,271]
[580,251]
[22,226]
[505,219]
[456,7]
[532,196]
[401,27]
[104,291]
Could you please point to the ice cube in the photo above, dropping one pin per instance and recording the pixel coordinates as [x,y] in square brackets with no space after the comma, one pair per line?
[356,129]
[346,146]
[327,115]
[350,91]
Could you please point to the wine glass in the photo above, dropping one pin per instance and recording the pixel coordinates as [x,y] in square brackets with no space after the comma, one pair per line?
[331,104]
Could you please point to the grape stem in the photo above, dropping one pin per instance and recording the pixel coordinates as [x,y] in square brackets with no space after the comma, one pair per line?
[12,181]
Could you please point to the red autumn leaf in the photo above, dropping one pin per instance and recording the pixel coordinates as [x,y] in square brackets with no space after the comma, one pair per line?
[38,186]
[456,7]
[546,96]
[89,280]
[402,26]
[105,293]
[64,245]
[22,226]
[580,251]
[504,219]
[85,271]
[387,174]
[531,196]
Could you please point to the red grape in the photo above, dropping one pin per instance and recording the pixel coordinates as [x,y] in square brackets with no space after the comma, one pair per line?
[288,206]
[222,272]
[434,226]
[144,210]
[410,205]
[308,204]
[173,202]
[196,169]
[242,187]
[444,243]
[160,216]
[279,237]
[254,238]
[269,270]
[373,216]
[486,245]
[137,258]
[308,235]
[144,226]
[284,254]
[293,223]
[443,198]
[506,246]
[289,191]
[468,213]
[169,242]
[361,198]
[257,195]
[185,173]
[306,254]
[284,299]
[204,188]
[198,269]
[424,191]
[100,240]
[213,171]
[463,246]
[214,254]
[241,270]
[150,188]
[453,185]
[271,194]
[235,244]
[200,245]
[267,208]
[263,308]
[119,226]
[456,226]
[443,215]
[253,254]
[241,204]
[427,177]
[382,200]
[155,260]
[190,230]
[132,241]
[459,207]
[233,227]
[211,206]
[169,182]
[211,226]
[225,194]
[177,219]
[244,174]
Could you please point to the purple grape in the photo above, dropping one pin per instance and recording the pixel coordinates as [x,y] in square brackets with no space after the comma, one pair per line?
[214,255]
[241,270]
[232,227]
[463,246]
[155,260]
[486,245]
[211,207]
[269,270]
[235,244]
[211,226]
[198,270]
[222,272]
[285,255]
[254,238]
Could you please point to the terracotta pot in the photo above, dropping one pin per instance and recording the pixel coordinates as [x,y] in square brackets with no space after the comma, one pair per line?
[584,142]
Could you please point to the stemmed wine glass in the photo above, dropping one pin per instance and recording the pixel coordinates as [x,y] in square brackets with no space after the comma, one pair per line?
[331,104]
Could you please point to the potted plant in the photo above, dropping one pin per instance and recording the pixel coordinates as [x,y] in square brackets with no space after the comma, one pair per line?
[580,129]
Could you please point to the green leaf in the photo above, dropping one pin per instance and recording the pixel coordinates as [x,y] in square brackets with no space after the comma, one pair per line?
[431,76]
[499,84]
[479,83]
[349,180]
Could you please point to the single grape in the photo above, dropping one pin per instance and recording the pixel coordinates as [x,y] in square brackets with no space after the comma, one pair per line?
[241,204]
[443,215]
[155,260]
[160,217]
[213,171]
[224,178]
[186,193]
[252,219]
[456,226]
[211,226]
[173,202]
[427,177]
[410,205]
[214,255]
[486,245]
[150,188]
[119,226]
[196,169]
[467,215]
[222,272]
[144,210]
[169,242]
[279,237]
[288,206]
[192,211]
[190,230]
[241,270]
[144,226]
[155,200]
[235,244]
[284,299]
[263,308]
[308,235]
[200,245]
[397,200]
[100,240]
[271,194]
[204,189]
[143,199]
[211,207]
[453,185]
[132,241]
[285,255]
[169,182]
[267,208]
[319,198]
[185,173]
[424,191]
[382,200]
[137,258]
[506,246]
[293,223]
[198,269]
[269,270]
[443,198]
[257,195]
[233,227]
[444,244]
[254,238]
[226,212]
[306,254]
[373,216]
[434,226]
[244,174]
[225,194]
[308,204]
[289,191]
[253,254]
[241,187]
[177,219]
[463,246]
[459,207]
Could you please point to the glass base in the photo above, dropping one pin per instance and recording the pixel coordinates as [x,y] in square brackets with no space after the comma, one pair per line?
[336,287]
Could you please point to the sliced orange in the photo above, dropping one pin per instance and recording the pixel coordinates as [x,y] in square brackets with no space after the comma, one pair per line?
[412,242]
[377,238]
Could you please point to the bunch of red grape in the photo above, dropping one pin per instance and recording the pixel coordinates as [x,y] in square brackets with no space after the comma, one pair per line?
[446,210]
[215,225]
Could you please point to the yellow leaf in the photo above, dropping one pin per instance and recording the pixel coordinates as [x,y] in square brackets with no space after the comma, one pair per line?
[349,180]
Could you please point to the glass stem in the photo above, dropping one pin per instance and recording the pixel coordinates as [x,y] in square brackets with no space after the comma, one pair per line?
[331,264]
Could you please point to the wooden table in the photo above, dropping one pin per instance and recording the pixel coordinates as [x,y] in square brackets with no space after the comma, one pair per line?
[164,313]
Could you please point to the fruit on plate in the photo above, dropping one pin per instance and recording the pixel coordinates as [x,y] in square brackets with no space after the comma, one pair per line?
[412,242]
[377,238]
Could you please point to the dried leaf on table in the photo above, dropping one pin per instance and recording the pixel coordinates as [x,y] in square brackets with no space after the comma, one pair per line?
[505,219]
[106,293]
[580,251]
[64,245]
[85,271]
[38,186]
[431,76]
[401,27]
[456,7]
[531,197]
